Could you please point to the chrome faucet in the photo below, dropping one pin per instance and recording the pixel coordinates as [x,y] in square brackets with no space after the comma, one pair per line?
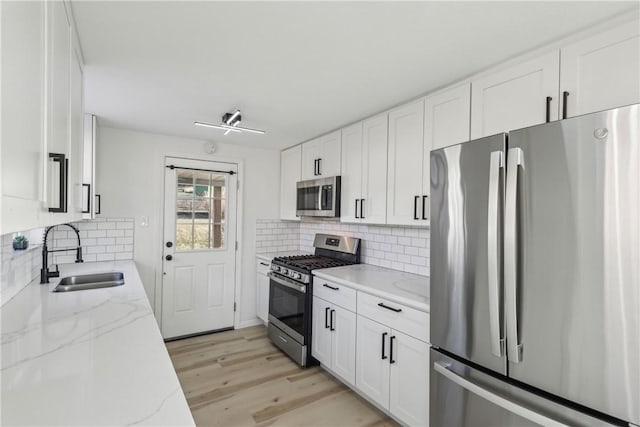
[44,272]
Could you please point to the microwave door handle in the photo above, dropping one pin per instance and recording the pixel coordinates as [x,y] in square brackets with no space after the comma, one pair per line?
[493,252]
[515,161]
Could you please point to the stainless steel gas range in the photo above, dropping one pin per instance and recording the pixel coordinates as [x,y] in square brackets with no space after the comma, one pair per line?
[291,292]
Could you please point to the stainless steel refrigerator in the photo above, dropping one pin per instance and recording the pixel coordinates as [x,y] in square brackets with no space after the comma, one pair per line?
[535,275]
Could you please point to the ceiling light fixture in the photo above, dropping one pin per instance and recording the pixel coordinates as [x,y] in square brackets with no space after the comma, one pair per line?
[230,124]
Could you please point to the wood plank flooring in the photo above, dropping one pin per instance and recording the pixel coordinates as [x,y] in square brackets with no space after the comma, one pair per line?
[238,378]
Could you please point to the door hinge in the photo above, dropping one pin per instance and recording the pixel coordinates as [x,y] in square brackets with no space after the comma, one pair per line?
[234,306]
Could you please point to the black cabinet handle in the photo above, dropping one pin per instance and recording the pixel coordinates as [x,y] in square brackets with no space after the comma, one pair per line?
[362,208]
[391,360]
[264,263]
[548,110]
[357,209]
[99,208]
[319,172]
[331,318]
[397,310]
[88,187]
[384,335]
[326,317]
[415,207]
[64,173]
[330,287]
[424,209]
[565,95]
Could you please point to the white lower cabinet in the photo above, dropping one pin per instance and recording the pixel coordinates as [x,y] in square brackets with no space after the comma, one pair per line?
[392,369]
[262,290]
[333,338]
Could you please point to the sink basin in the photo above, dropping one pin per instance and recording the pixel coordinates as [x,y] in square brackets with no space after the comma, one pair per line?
[90,281]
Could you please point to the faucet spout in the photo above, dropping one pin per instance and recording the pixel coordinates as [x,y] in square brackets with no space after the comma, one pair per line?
[45,274]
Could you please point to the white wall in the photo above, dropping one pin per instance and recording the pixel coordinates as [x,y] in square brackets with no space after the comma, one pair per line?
[130,179]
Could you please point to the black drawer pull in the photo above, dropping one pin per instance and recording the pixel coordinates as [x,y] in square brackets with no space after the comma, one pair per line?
[397,310]
[424,208]
[265,264]
[330,287]
[415,207]
[331,317]
[565,95]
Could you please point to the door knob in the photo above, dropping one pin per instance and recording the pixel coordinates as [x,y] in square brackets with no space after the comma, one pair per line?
[169,244]
[168,257]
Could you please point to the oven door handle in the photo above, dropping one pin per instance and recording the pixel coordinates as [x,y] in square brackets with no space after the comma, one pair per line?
[278,280]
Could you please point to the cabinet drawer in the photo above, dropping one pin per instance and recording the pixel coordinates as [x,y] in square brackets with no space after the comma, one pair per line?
[262,267]
[408,320]
[340,295]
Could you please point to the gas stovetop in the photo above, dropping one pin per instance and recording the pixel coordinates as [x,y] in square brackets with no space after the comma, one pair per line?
[331,251]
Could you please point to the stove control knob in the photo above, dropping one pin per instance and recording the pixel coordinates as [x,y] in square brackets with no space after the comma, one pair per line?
[297,276]
[275,268]
[284,271]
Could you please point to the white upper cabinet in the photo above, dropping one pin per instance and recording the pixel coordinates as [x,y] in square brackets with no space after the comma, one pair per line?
[515,97]
[321,156]
[602,71]
[405,192]
[89,167]
[42,116]
[364,171]
[351,173]
[23,151]
[290,166]
[447,117]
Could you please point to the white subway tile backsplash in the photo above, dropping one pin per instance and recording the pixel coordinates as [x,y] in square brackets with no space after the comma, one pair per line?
[399,248]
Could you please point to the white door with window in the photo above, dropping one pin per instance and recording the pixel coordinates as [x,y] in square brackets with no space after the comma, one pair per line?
[199,257]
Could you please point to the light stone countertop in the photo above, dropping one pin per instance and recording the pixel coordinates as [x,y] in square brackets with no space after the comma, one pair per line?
[409,289]
[268,256]
[92,357]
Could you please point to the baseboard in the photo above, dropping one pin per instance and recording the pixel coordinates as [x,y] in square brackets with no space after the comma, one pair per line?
[248,323]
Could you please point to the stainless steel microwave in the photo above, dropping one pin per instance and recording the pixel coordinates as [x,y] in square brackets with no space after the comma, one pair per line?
[318,197]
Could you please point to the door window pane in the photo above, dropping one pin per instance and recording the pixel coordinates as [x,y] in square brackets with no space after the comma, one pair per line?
[200,210]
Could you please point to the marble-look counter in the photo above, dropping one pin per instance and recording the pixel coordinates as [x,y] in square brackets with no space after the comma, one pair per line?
[409,289]
[268,256]
[92,357]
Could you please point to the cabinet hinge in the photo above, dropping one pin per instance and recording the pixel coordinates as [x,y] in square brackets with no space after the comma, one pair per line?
[234,306]
[236,245]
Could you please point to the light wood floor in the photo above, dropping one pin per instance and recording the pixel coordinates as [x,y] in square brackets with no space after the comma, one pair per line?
[238,378]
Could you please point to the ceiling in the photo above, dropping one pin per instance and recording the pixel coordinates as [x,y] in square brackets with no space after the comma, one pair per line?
[296,69]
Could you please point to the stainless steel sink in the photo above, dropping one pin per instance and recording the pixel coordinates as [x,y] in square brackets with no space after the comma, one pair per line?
[90,281]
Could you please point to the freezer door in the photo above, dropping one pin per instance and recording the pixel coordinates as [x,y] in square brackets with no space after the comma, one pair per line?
[461,396]
[467,189]
[572,282]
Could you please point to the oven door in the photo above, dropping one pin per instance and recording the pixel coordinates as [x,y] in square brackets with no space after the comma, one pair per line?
[288,306]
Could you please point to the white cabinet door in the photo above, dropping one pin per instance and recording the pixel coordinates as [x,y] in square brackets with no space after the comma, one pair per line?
[77,200]
[22,138]
[59,61]
[343,351]
[447,117]
[409,380]
[515,97]
[372,365]
[406,154]
[89,167]
[290,164]
[373,207]
[311,152]
[329,164]
[603,71]
[262,290]
[351,173]
[321,332]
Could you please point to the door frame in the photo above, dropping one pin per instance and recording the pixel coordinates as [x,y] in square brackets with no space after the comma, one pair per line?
[157,304]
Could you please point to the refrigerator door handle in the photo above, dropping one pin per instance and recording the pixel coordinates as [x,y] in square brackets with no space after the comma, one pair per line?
[443,369]
[493,252]
[515,161]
